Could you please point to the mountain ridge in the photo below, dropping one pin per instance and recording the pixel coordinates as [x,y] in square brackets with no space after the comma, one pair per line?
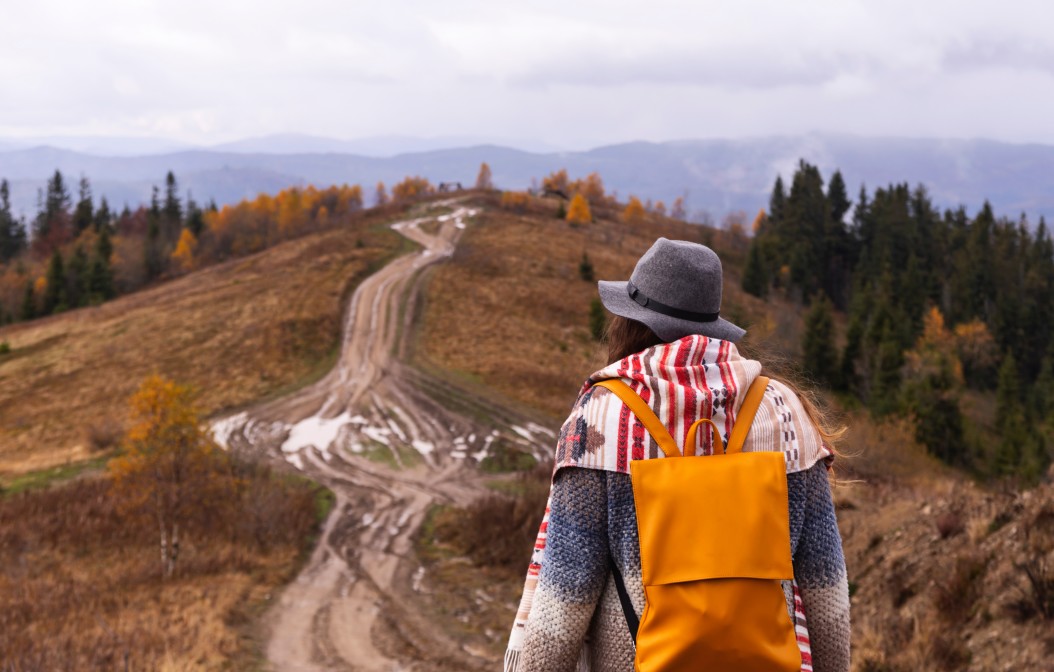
[714,176]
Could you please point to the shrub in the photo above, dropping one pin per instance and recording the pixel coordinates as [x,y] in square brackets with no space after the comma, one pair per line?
[515,201]
[499,530]
[950,524]
[958,594]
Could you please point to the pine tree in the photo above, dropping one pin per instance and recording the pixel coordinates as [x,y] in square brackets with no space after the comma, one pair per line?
[585,268]
[1043,390]
[55,294]
[195,220]
[837,197]
[755,277]
[820,357]
[83,214]
[29,302]
[100,275]
[12,232]
[1014,434]
[77,280]
[597,319]
[153,256]
[172,212]
[885,377]
[1008,393]
[52,223]
[777,201]
[103,216]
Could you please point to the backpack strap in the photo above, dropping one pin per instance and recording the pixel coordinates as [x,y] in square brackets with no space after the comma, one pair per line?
[644,413]
[746,414]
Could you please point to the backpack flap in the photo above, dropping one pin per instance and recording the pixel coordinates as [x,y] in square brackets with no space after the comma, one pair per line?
[715,543]
[713,517]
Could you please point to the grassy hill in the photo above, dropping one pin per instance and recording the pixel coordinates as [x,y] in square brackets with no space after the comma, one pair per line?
[939,565]
[240,331]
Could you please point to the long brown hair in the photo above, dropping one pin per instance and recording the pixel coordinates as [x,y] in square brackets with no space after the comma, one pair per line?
[626,337]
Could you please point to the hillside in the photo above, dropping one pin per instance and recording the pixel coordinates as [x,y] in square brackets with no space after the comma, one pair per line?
[936,562]
[245,329]
[497,332]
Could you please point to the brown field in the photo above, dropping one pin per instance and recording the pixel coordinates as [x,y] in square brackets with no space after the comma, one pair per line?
[511,310]
[238,332]
[81,587]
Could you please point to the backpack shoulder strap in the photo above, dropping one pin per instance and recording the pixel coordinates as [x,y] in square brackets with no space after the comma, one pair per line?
[644,413]
[746,414]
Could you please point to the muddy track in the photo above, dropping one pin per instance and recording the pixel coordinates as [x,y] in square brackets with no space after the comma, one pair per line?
[388,450]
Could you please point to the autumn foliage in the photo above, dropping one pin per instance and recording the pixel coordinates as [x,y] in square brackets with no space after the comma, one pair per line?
[117,254]
[484,179]
[514,200]
[87,593]
[578,212]
[170,468]
[411,187]
[634,211]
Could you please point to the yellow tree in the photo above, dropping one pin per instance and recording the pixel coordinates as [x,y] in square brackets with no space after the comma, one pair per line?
[660,208]
[483,180]
[634,212]
[381,195]
[185,249]
[578,212]
[170,467]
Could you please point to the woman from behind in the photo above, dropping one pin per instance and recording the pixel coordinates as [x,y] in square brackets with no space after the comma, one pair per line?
[667,342]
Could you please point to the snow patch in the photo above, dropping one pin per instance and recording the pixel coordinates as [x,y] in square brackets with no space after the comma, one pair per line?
[522,432]
[378,434]
[423,447]
[314,431]
[222,429]
[294,459]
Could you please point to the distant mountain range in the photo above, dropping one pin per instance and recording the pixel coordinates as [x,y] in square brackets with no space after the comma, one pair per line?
[715,176]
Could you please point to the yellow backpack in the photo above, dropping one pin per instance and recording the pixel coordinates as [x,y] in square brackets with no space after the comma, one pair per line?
[714,546]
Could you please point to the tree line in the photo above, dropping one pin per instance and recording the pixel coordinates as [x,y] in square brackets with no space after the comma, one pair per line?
[941,310]
[76,252]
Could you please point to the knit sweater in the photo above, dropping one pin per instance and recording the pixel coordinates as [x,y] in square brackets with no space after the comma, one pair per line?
[570,616]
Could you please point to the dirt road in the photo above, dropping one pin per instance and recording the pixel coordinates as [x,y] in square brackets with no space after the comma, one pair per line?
[373,432]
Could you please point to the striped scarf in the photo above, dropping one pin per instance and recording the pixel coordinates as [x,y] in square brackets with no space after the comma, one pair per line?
[691,378]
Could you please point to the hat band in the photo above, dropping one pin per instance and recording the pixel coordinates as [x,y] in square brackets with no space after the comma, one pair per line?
[652,304]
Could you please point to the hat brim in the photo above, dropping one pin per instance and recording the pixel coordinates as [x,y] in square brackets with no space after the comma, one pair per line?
[615,297]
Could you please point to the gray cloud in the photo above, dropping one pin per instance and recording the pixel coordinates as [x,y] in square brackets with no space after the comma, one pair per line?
[568,73]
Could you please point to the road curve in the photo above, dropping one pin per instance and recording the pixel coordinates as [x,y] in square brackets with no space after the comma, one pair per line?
[353,606]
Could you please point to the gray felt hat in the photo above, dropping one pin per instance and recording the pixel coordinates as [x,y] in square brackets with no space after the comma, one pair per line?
[675,289]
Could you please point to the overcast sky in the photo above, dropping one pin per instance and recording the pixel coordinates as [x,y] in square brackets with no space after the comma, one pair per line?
[570,74]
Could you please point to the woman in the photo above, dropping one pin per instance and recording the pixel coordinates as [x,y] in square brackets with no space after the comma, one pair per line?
[669,343]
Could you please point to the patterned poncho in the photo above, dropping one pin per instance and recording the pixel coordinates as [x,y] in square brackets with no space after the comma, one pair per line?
[694,377]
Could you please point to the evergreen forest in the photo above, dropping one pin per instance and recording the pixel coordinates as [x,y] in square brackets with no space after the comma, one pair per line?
[941,316]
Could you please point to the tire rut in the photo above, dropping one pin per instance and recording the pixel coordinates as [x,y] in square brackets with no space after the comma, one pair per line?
[353,606]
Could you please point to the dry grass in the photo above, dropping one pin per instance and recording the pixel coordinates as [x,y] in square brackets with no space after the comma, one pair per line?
[476,559]
[80,584]
[239,331]
[511,310]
